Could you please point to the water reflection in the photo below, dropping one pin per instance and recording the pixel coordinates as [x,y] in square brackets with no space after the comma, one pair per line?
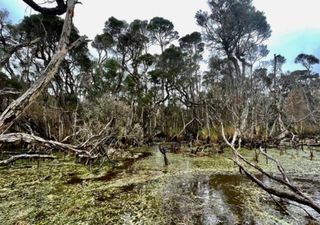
[194,199]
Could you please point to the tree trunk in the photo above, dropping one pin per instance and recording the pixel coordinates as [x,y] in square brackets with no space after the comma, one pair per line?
[17,107]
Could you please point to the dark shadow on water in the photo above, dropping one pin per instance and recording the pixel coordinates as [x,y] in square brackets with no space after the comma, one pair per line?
[111,174]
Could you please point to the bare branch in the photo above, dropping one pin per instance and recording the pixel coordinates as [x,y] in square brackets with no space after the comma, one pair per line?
[60,9]
[15,48]
[17,107]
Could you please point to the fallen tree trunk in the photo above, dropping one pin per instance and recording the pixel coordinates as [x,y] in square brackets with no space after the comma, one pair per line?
[281,194]
[295,194]
[17,107]
[32,139]
[24,156]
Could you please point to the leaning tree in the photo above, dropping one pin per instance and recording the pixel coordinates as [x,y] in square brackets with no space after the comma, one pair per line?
[18,106]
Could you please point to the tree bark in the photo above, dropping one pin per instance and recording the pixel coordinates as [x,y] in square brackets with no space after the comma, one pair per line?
[28,138]
[17,107]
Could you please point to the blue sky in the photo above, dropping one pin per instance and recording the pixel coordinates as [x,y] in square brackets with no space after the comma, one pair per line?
[295,24]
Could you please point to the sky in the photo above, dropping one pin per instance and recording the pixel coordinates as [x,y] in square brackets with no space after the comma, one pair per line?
[295,24]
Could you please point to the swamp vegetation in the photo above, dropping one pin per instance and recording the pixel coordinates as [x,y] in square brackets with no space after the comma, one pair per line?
[191,190]
[150,127]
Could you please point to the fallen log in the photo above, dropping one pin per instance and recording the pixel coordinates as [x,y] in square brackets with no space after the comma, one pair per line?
[24,156]
[293,194]
[28,138]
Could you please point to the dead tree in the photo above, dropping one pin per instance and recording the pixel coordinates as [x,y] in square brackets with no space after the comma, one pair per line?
[163,151]
[17,107]
[89,150]
[60,9]
[293,194]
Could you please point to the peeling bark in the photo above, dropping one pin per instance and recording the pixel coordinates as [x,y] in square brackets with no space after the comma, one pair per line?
[17,107]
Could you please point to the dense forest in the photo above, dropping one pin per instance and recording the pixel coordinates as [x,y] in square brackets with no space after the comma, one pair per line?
[140,97]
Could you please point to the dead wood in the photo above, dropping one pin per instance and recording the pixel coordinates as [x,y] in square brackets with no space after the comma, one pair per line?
[58,10]
[293,194]
[24,156]
[17,107]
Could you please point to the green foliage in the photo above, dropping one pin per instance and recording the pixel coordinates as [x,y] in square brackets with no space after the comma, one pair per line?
[114,26]
[103,41]
[6,82]
[212,134]
[162,31]
[192,42]
[47,27]
[233,26]
[306,60]
[172,63]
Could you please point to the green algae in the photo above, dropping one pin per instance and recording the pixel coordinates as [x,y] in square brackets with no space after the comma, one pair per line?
[144,191]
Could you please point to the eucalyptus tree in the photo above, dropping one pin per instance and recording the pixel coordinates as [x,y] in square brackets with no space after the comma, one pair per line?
[307,61]
[17,107]
[110,61]
[124,63]
[122,45]
[102,43]
[306,82]
[193,47]
[48,29]
[11,41]
[234,29]
[162,32]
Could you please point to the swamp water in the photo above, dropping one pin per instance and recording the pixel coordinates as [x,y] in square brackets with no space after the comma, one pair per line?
[191,190]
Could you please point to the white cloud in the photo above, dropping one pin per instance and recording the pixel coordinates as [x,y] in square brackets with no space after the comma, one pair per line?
[90,16]
[290,16]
